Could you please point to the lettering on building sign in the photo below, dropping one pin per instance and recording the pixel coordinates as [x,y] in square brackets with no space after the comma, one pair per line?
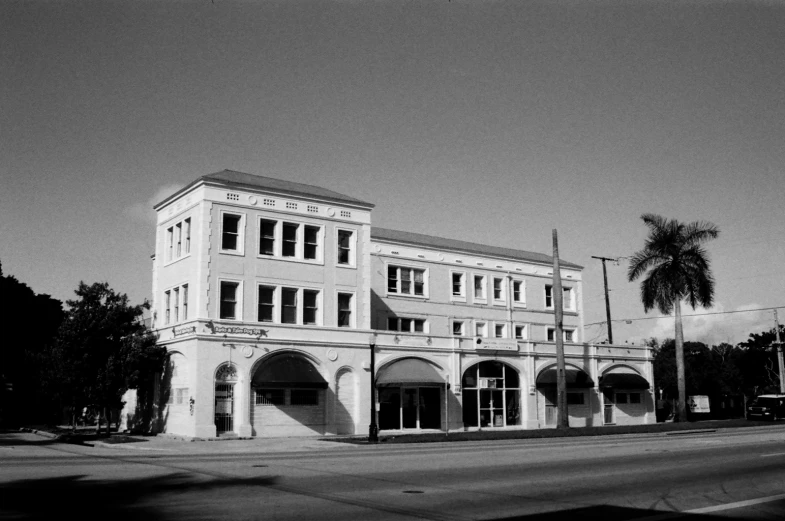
[235,330]
[180,331]
[497,344]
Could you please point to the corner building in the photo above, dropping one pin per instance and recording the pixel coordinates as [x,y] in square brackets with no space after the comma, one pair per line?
[268,296]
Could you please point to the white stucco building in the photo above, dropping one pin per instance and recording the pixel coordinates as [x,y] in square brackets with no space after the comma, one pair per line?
[267,295]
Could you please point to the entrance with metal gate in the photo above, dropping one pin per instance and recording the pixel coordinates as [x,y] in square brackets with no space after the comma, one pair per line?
[225,379]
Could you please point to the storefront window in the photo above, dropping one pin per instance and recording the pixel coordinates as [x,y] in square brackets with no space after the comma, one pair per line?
[491,395]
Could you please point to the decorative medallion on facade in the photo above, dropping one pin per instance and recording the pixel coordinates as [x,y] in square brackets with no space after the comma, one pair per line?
[247,351]
[332,355]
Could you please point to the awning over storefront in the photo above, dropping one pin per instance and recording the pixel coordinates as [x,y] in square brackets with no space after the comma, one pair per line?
[576,379]
[409,372]
[289,371]
[623,378]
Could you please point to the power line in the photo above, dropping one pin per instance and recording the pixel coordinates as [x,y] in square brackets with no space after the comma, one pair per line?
[627,320]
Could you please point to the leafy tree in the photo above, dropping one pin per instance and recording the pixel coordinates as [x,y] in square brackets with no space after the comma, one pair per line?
[29,322]
[103,349]
[677,268]
[757,362]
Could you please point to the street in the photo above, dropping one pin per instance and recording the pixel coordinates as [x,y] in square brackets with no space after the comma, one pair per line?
[731,474]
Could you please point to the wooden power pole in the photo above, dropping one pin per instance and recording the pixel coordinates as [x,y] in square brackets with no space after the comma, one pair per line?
[607,300]
[562,418]
[779,352]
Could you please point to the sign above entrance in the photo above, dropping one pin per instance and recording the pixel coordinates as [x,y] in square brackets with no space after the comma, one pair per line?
[497,344]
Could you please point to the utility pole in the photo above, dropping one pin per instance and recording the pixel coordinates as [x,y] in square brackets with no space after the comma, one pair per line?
[779,352]
[607,300]
[563,419]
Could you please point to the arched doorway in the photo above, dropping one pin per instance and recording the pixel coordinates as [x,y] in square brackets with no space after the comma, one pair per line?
[491,395]
[225,380]
[410,395]
[288,397]
[579,385]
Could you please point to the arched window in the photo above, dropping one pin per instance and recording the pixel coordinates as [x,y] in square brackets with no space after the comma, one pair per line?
[491,395]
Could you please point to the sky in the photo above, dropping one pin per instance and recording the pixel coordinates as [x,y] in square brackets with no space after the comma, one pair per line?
[487,120]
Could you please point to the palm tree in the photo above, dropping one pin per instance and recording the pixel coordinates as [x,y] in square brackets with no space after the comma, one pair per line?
[677,268]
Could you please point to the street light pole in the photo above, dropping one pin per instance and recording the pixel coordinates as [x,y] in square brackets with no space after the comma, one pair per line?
[373,428]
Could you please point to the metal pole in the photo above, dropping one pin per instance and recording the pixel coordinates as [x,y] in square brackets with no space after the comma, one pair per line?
[779,352]
[373,428]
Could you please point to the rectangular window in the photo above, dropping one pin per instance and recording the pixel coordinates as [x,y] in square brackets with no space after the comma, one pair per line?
[270,397]
[480,329]
[520,332]
[344,310]
[230,235]
[304,397]
[479,287]
[185,301]
[457,327]
[498,289]
[310,306]
[229,299]
[458,284]
[500,330]
[176,298]
[406,281]
[345,247]
[169,243]
[568,334]
[518,292]
[289,243]
[178,236]
[188,236]
[266,237]
[576,399]
[288,305]
[182,396]
[311,246]
[167,305]
[266,304]
[621,398]
[567,300]
[406,325]
[635,397]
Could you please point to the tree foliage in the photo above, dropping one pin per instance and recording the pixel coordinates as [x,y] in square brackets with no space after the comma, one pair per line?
[103,349]
[676,268]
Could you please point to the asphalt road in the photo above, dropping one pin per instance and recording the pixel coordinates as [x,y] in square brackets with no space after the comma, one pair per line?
[725,475]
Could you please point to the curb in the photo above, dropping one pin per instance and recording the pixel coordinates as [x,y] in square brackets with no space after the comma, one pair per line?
[45,434]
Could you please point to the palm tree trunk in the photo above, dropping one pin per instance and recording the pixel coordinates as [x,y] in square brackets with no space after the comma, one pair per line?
[681,406]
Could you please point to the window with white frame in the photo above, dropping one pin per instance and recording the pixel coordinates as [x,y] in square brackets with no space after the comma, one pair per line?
[178,240]
[407,325]
[287,305]
[231,232]
[290,240]
[181,397]
[229,300]
[479,287]
[176,301]
[457,327]
[481,329]
[406,281]
[568,300]
[520,332]
[499,290]
[167,306]
[568,334]
[458,285]
[346,247]
[345,310]
[500,330]
[185,301]
[519,292]
[176,304]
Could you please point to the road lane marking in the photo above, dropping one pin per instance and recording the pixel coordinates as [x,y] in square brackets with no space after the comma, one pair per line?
[737,504]
[775,454]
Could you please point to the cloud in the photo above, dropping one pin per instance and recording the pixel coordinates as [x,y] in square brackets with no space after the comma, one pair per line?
[714,326]
[143,211]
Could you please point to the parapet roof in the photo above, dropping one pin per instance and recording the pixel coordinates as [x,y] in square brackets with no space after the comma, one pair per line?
[418,239]
[251,181]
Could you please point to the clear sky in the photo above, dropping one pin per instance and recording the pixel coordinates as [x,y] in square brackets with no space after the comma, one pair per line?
[487,121]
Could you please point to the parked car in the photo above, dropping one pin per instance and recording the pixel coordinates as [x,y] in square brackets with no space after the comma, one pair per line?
[767,407]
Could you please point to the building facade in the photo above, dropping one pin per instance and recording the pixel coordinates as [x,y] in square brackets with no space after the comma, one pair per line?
[269,296]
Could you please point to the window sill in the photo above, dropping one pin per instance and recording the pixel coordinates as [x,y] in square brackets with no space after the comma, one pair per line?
[280,258]
[456,298]
[175,261]
[232,252]
[399,295]
[346,266]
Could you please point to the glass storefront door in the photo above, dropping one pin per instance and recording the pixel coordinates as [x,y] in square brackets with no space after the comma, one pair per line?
[410,408]
[491,396]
